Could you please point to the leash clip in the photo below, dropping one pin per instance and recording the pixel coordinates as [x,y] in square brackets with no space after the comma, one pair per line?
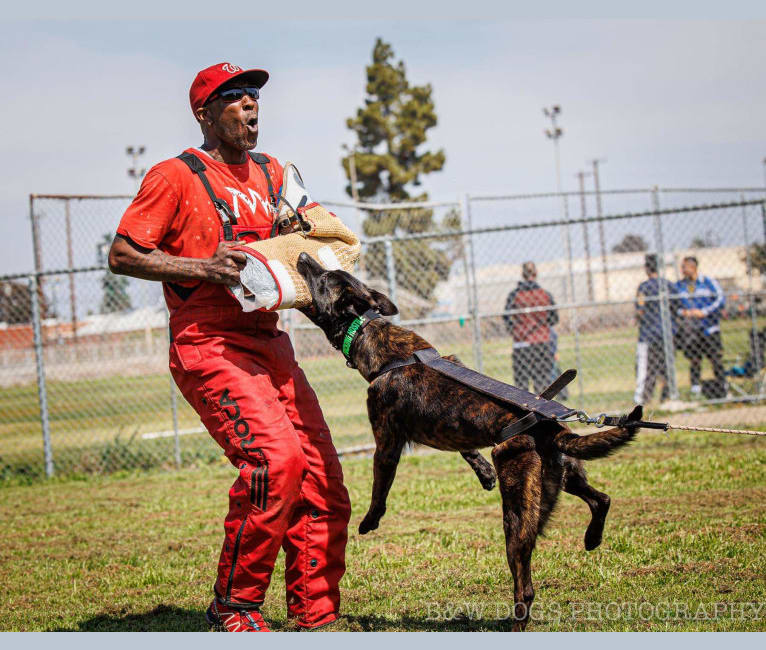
[600,420]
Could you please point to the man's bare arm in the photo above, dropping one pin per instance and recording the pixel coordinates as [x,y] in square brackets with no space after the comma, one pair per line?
[128,258]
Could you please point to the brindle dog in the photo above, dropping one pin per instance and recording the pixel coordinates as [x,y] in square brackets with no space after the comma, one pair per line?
[416,403]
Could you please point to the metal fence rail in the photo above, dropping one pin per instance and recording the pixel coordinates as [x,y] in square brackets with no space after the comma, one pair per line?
[84,383]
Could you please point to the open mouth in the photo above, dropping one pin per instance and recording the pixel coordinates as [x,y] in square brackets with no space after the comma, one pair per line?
[252,124]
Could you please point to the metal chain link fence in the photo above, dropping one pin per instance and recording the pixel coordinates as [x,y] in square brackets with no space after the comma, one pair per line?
[84,383]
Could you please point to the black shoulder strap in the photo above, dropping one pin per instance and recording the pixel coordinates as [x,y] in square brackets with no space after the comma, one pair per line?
[262,161]
[225,213]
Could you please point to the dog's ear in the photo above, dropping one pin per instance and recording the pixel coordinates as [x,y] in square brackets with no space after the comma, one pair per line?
[382,304]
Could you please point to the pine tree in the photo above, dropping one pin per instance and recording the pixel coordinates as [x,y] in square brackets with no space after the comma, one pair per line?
[390,129]
[115,295]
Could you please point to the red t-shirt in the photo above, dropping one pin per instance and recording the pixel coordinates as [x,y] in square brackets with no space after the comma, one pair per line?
[173,213]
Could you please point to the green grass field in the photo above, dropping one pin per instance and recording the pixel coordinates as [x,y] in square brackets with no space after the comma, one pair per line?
[139,551]
[96,425]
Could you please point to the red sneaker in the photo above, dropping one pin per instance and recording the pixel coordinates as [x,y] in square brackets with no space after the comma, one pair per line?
[223,618]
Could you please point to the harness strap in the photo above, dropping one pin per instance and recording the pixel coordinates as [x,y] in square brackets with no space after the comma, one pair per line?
[428,355]
[261,160]
[419,356]
[501,391]
[519,426]
[481,383]
[225,213]
[393,365]
[559,384]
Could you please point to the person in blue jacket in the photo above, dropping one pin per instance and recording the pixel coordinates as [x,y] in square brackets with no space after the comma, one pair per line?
[701,300]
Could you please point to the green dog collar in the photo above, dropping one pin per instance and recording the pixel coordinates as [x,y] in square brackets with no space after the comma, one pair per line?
[353,331]
[351,334]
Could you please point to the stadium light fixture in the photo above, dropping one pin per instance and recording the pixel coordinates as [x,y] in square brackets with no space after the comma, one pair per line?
[134,171]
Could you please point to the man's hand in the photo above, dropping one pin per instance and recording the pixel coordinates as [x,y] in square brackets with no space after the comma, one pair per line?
[128,258]
[225,264]
[693,313]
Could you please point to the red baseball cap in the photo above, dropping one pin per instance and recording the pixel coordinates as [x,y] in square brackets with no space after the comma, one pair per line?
[210,79]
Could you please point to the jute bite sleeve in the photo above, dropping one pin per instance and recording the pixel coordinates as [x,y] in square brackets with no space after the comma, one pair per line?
[324,237]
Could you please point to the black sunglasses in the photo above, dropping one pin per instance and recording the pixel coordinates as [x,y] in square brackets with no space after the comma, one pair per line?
[234,94]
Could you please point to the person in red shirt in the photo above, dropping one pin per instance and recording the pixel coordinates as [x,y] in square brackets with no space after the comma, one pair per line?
[238,369]
[532,331]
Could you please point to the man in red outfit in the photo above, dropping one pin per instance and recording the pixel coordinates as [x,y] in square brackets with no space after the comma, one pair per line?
[237,369]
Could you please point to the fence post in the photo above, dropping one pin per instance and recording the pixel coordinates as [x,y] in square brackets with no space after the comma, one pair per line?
[391,275]
[466,272]
[763,218]
[478,357]
[42,393]
[173,402]
[756,343]
[667,331]
[37,248]
[70,265]
[573,310]
[601,234]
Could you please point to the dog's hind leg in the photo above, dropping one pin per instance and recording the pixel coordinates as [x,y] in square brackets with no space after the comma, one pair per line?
[552,479]
[576,482]
[519,475]
[482,467]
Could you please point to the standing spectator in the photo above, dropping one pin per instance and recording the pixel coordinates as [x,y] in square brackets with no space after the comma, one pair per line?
[531,331]
[701,301]
[650,353]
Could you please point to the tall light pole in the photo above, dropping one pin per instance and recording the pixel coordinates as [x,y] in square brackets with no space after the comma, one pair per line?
[134,171]
[585,235]
[601,237]
[555,133]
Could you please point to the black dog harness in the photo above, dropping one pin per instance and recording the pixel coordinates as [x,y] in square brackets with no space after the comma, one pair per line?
[539,406]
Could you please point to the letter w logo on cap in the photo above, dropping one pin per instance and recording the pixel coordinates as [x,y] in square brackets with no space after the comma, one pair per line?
[231,68]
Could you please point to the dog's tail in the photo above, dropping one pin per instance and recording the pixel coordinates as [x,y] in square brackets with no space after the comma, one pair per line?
[599,444]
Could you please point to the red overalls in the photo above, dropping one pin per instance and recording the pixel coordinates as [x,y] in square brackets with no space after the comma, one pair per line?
[239,373]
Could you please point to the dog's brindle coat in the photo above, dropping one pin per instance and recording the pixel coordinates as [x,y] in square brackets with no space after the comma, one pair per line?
[416,403]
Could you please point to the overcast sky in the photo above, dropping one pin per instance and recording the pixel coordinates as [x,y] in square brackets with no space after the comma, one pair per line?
[674,103]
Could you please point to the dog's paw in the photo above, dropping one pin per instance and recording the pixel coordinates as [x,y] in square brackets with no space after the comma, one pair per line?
[593,538]
[488,480]
[368,524]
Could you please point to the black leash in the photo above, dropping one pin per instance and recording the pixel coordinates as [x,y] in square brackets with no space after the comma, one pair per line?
[604,420]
